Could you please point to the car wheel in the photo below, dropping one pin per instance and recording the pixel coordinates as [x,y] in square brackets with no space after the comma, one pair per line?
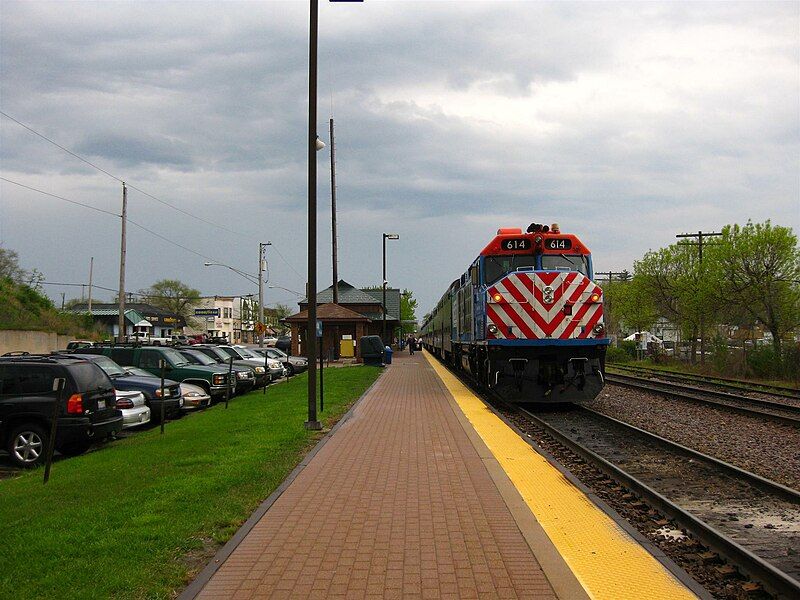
[289,370]
[75,448]
[27,445]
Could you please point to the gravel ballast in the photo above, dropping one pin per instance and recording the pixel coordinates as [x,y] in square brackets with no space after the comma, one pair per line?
[760,445]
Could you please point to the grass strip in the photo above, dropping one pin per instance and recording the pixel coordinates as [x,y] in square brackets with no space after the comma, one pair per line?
[139,518]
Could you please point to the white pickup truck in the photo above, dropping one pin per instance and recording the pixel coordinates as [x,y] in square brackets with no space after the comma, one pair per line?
[145,338]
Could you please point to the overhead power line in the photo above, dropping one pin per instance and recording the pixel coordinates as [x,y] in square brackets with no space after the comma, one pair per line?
[33,189]
[89,206]
[102,170]
[166,239]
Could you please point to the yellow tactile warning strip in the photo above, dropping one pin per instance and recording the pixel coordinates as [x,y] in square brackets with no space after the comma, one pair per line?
[605,559]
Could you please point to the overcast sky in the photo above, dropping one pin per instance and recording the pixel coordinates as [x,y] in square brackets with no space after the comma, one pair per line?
[625,123]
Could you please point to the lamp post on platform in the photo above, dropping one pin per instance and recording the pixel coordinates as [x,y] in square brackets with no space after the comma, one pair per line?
[386,236]
[314,145]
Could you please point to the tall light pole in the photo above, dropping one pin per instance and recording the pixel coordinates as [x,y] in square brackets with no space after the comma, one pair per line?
[314,144]
[261,260]
[333,221]
[386,236]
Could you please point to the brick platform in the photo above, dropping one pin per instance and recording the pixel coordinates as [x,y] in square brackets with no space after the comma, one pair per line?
[397,504]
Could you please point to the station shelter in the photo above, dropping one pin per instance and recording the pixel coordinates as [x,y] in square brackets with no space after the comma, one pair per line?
[359,312]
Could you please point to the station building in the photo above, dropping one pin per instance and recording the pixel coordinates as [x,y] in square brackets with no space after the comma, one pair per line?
[358,312]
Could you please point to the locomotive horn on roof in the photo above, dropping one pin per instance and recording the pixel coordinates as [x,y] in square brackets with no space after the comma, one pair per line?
[537,227]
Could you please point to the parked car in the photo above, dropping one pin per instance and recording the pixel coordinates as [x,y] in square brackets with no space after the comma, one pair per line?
[275,368]
[219,354]
[150,386]
[87,411]
[194,397]
[213,379]
[180,340]
[292,364]
[146,338]
[246,377]
[284,344]
[134,410]
[270,341]
[73,344]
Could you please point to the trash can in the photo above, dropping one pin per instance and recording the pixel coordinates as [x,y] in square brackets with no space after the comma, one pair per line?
[387,355]
[371,350]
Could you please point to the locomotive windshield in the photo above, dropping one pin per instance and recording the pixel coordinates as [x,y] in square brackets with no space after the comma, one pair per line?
[565,262]
[495,267]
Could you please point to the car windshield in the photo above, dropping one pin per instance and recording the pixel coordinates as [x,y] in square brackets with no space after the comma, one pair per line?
[223,356]
[198,357]
[175,357]
[111,368]
[494,267]
[565,262]
[273,353]
[229,351]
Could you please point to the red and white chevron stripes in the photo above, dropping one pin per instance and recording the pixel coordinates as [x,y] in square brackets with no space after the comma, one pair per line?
[547,305]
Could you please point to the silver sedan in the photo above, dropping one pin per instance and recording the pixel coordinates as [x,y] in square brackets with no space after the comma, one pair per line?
[135,411]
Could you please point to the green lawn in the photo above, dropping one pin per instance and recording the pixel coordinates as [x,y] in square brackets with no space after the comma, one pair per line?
[140,517]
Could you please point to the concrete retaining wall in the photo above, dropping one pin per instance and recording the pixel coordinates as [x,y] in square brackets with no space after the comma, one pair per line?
[35,342]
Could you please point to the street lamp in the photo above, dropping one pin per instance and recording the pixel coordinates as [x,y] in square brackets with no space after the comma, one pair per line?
[386,236]
[253,279]
[280,287]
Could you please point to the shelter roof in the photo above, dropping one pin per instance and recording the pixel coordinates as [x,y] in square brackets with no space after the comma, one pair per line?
[329,312]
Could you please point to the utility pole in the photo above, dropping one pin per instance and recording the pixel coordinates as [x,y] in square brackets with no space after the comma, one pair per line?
[333,221]
[124,215]
[311,291]
[91,268]
[699,243]
[262,248]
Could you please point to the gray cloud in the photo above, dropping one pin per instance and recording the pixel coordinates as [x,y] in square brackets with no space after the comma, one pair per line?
[625,123]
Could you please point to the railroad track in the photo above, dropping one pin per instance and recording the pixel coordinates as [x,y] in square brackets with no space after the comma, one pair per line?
[779,411]
[751,521]
[735,385]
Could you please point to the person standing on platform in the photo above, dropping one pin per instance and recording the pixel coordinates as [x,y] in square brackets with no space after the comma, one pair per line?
[411,345]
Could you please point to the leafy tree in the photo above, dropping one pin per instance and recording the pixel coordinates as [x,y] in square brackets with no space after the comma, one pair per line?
[758,270]
[9,265]
[282,311]
[172,295]
[408,310]
[681,288]
[628,305]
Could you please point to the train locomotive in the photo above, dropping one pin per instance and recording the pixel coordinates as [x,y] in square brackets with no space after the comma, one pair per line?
[526,319]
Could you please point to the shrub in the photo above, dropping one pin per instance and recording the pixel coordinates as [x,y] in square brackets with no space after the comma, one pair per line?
[617,355]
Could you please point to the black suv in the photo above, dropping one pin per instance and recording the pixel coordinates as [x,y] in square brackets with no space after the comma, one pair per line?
[87,412]
[149,386]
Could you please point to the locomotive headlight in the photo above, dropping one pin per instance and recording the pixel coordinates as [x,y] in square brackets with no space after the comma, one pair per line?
[497,297]
[492,329]
[598,330]
[595,297]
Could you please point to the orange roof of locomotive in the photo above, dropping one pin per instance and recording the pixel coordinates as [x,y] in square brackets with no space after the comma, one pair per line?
[510,233]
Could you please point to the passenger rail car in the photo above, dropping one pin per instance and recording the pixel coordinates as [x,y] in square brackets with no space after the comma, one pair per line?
[526,319]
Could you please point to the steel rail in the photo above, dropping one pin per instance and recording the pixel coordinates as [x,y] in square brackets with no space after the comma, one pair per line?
[724,382]
[683,391]
[757,568]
